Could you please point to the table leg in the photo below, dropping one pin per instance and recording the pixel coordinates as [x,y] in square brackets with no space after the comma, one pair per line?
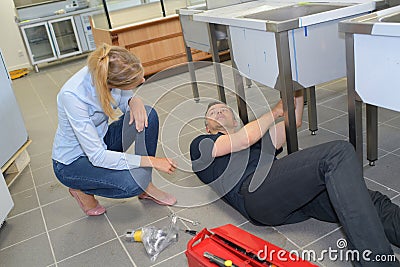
[192,70]
[312,110]
[285,86]
[372,134]
[354,103]
[216,60]
[192,74]
[248,82]
[239,86]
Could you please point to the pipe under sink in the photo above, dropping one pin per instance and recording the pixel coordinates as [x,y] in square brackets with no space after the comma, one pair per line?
[292,12]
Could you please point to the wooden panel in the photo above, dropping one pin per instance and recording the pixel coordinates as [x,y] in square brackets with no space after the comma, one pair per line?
[158,43]
[99,35]
[161,49]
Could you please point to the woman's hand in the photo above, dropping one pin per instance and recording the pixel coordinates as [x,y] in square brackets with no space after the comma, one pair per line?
[165,165]
[162,164]
[137,113]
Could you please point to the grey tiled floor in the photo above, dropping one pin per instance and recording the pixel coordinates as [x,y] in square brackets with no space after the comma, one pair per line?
[47,228]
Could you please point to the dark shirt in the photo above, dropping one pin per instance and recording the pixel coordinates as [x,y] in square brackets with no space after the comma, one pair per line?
[225,174]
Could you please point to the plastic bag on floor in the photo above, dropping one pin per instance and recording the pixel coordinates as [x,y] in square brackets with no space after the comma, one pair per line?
[155,239]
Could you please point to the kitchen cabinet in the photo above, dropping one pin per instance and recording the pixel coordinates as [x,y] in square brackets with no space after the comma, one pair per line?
[50,40]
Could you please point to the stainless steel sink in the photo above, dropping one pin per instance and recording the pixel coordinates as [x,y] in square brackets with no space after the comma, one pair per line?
[392,18]
[292,12]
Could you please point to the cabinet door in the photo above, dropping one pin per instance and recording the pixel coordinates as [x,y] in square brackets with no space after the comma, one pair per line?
[65,36]
[38,42]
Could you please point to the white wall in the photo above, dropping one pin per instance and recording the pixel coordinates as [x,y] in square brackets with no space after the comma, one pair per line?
[11,41]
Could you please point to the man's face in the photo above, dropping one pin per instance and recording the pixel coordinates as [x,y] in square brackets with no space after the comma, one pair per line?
[220,117]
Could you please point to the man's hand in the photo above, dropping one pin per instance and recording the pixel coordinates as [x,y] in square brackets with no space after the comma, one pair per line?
[137,113]
[277,111]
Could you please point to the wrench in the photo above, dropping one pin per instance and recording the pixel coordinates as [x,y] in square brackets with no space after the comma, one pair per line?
[194,223]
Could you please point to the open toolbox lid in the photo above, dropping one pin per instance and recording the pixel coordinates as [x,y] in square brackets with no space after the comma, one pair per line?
[243,248]
[258,247]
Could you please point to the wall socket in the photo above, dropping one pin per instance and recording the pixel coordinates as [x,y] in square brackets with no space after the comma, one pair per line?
[20,53]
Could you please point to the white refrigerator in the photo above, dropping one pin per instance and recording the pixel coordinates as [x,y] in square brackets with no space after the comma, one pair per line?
[6,202]
[13,134]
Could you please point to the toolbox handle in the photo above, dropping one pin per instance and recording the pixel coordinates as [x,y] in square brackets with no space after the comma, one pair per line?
[199,237]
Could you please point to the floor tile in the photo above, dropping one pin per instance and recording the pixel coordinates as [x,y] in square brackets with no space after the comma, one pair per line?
[108,254]
[303,233]
[388,138]
[322,136]
[338,102]
[332,242]
[81,235]
[178,260]
[385,115]
[24,201]
[62,212]
[51,191]
[41,160]
[386,171]
[22,182]
[32,252]
[135,213]
[324,114]
[394,122]
[21,227]
[44,175]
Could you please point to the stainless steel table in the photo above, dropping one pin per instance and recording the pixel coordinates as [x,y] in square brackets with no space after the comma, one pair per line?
[372,52]
[286,46]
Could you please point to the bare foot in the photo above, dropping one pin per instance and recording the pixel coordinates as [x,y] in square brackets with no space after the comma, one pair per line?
[157,195]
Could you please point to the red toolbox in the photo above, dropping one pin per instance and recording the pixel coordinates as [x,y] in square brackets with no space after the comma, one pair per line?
[237,248]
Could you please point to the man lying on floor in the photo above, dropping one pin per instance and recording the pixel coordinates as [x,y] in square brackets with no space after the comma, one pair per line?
[323,182]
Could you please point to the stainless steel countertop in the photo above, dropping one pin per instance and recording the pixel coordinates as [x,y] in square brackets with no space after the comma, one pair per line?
[384,22]
[239,15]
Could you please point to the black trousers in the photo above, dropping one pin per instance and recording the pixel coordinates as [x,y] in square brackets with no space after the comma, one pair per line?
[326,182]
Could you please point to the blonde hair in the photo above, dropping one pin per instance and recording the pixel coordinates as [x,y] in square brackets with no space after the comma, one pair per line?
[113,67]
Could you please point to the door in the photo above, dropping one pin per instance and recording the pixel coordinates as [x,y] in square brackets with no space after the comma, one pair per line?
[38,43]
[65,37]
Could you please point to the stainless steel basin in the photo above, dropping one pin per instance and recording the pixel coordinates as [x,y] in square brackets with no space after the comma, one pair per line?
[392,18]
[292,12]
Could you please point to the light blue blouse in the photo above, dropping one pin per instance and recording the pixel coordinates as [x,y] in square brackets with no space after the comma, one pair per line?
[82,125]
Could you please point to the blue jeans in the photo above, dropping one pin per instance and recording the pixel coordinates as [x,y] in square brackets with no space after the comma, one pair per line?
[326,182]
[82,175]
